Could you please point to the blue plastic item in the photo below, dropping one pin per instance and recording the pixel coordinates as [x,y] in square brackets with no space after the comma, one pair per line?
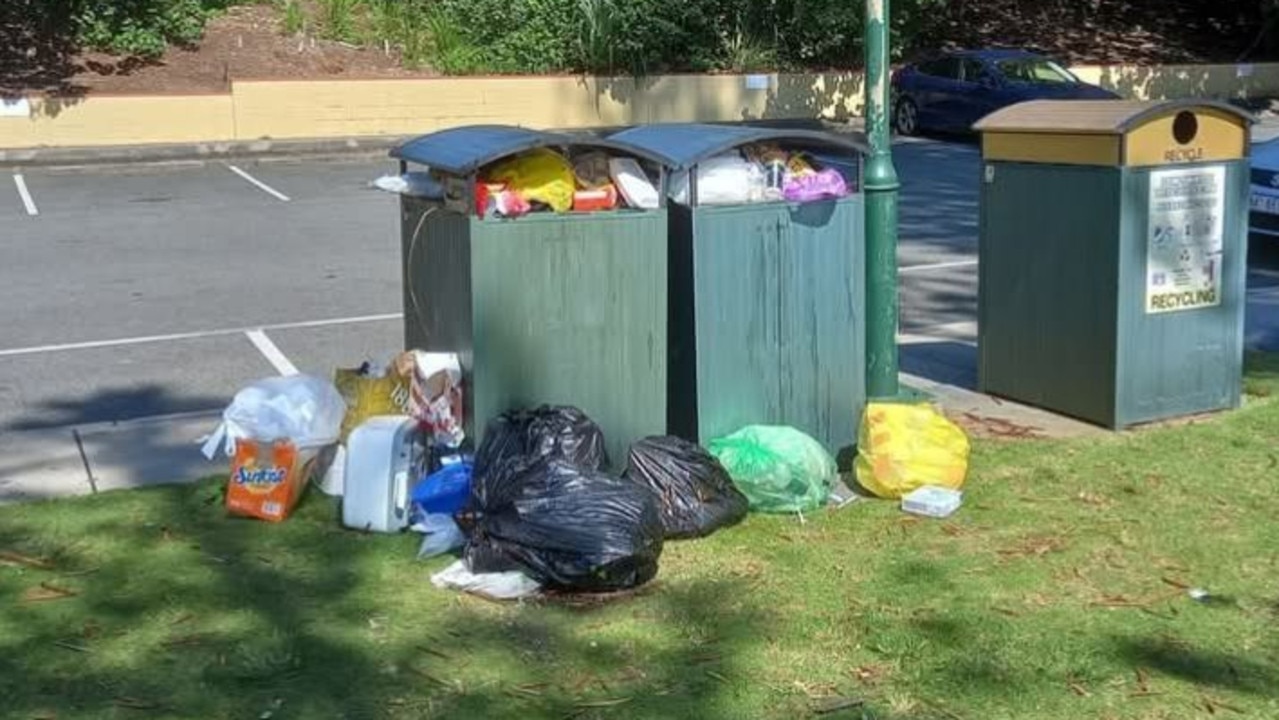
[444,491]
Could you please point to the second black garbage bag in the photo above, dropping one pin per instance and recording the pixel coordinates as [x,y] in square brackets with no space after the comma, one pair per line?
[558,431]
[566,526]
[695,495]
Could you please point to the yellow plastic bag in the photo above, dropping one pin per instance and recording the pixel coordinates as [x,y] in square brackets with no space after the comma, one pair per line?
[904,447]
[367,395]
[540,175]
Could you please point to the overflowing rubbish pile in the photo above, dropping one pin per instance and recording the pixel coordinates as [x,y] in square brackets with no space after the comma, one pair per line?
[538,506]
[588,180]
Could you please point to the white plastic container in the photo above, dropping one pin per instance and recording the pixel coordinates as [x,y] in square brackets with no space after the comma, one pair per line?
[932,501]
[382,457]
[331,482]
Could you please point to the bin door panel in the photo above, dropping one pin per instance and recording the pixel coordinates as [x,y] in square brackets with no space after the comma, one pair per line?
[822,295]
[572,310]
[735,258]
[1183,360]
[1049,274]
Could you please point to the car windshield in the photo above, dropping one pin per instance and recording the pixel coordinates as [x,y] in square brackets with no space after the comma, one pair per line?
[1035,70]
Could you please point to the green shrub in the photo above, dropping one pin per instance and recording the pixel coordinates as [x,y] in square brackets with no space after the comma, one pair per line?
[532,36]
[293,17]
[338,19]
[140,27]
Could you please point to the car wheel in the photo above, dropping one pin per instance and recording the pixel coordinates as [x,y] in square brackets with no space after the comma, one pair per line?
[906,117]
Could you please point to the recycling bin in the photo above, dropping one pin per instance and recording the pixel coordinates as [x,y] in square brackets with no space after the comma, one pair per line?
[1112,258]
[548,307]
[766,299]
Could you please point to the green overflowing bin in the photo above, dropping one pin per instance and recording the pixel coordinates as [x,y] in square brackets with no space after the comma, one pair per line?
[767,299]
[558,308]
[1113,248]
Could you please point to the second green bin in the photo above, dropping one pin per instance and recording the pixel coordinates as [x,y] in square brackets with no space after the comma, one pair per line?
[767,300]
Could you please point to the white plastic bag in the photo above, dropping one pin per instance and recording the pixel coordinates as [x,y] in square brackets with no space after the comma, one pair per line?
[510,585]
[415,184]
[302,408]
[442,535]
[727,179]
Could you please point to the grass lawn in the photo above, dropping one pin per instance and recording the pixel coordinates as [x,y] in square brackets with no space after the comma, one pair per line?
[1058,591]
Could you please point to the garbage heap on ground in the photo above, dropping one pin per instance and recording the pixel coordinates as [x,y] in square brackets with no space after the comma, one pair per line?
[539,506]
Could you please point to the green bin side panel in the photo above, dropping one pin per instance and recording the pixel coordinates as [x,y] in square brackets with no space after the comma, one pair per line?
[437,277]
[572,310]
[776,332]
[823,369]
[1048,277]
[1190,361]
[735,299]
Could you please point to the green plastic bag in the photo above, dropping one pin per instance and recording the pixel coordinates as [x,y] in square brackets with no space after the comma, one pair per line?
[779,469]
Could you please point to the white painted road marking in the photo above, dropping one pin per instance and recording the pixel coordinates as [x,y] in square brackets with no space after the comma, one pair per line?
[261,185]
[195,335]
[27,201]
[936,266]
[272,353]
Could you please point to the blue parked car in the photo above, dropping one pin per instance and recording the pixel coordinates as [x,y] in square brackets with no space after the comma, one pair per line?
[951,91]
[1264,216]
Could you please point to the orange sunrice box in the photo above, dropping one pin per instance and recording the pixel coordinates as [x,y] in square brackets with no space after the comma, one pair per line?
[267,479]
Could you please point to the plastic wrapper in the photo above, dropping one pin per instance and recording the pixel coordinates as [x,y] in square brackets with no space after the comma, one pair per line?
[695,495]
[512,585]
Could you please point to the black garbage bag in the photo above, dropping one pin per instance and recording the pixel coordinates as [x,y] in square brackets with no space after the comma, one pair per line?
[695,495]
[548,431]
[567,527]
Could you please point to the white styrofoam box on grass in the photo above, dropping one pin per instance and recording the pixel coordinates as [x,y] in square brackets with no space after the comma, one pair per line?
[932,501]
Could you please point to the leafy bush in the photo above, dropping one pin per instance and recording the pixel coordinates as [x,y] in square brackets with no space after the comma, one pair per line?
[534,36]
[651,36]
[531,36]
[338,19]
[140,27]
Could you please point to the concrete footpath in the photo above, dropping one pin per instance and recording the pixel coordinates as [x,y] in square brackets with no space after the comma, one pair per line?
[61,462]
[64,462]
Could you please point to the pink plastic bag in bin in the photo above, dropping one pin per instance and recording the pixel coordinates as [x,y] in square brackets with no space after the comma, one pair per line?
[436,396]
[817,186]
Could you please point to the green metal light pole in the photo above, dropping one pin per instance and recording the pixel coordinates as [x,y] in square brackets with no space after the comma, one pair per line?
[881,213]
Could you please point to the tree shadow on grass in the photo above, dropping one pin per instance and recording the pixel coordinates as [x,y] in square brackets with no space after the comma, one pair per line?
[176,610]
[1202,667]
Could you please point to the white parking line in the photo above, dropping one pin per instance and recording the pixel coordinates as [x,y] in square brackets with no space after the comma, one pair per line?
[27,201]
[936,266]
[964,332]
[146,339]
[261,185]
[272,353]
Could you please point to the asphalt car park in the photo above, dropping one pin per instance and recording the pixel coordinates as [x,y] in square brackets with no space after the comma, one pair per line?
[150,290]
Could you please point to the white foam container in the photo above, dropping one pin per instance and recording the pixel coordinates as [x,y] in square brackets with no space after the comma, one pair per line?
[932,501]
